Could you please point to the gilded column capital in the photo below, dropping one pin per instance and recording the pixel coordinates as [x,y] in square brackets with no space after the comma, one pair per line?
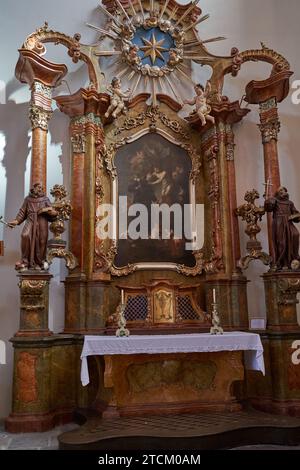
[39,117]
[269,130]
[269,122]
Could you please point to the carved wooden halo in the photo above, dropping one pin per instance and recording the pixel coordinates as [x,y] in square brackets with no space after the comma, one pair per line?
[194,154]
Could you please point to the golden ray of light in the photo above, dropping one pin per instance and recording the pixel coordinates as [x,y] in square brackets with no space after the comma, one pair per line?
[174,90]
[107,53]
[103,31]
[153,48]
[154,91]
[136,84]
[204,18]
[142,9]
[151,6]
[218,38]
[164,9]
[132,8]
[187,28]
[117,62]
[185,75]
[185,66]
[110,15]
[131,75]
[191,7]
[115,28]
[173,14]
[191,43]
[162,85]
[120,74]
[123,9]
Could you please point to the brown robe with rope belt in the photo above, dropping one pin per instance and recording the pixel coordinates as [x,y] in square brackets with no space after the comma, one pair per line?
[34,235]
[285,234]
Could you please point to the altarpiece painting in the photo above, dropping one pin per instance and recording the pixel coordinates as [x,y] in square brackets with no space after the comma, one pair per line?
[154,171]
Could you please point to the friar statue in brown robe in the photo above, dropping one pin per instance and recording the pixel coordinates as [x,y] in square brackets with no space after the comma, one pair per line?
[285,234]
[36,212]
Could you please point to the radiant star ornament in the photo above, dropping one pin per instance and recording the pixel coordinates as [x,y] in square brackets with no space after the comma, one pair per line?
[153,48]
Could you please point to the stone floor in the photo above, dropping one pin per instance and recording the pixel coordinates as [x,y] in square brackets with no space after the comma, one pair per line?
[33,441]
[48,440]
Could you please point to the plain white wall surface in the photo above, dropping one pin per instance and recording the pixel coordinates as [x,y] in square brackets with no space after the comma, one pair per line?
[244,23]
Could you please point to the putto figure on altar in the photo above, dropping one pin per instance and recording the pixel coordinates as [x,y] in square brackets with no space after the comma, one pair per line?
[285,234]
[118,96]
[36,212]
[202,108]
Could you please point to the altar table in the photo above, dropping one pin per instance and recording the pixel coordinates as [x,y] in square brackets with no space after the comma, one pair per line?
[166,374]
[250,343]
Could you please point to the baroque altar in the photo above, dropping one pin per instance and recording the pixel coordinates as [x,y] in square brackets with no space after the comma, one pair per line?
[133,141]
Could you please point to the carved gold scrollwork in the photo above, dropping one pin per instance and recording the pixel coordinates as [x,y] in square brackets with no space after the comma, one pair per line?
[78,143]
[104,260]
[288,290]
[32,287]
[107,155]
[251,213]
[153,114]
[230,145]
[71,261]
[266,54]
[57,246]
[131,123]
[215,261]
[99,190]
[194,270]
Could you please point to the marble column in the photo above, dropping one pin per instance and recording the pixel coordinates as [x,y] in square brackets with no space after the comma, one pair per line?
[269,127]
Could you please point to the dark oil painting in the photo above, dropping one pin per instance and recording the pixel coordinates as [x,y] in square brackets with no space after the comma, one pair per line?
[152,170]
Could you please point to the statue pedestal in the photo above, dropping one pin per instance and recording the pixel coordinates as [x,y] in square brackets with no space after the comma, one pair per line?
[34,303]
[279,391]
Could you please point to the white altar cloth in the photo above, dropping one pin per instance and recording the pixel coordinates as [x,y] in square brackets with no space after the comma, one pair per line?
[250,343]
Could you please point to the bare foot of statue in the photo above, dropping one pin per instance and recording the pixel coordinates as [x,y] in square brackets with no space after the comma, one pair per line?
[21,266]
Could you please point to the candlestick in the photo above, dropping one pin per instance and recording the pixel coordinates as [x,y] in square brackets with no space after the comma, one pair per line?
[122,297]
[216,329]
[214,296]
[122,330]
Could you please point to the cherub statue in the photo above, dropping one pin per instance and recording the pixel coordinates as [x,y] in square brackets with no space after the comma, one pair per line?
[173,57]
[152,20]
[178,34]
[200,100]
[117,104]
[127,30]
[133,54]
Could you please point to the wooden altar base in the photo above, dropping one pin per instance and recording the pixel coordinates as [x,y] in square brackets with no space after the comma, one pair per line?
[183,432]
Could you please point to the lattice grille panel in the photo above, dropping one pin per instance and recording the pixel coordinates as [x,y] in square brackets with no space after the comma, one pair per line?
[185,308]
[136,308]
